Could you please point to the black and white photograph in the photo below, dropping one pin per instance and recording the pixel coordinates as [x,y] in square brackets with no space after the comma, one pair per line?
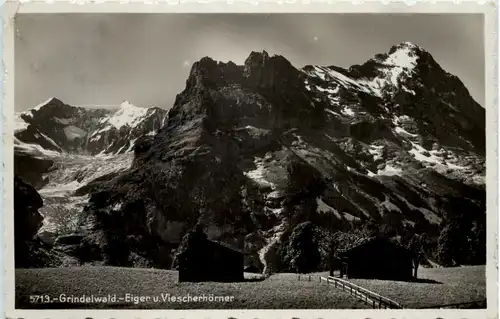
[250,161]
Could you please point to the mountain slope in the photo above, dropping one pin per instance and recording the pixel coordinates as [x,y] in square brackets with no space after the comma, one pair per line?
[60,148]
[252,151]
[59,127]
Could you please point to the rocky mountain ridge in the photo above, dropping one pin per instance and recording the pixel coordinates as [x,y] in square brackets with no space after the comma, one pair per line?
[250,152]
[60,148]
[56,126]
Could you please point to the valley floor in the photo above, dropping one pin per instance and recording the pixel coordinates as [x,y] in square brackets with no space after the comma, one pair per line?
[280,291]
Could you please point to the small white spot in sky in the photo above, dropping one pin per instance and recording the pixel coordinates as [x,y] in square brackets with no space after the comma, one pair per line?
[316,38]
[186,63]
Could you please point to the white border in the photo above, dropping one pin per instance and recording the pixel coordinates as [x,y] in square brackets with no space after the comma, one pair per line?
[488,8]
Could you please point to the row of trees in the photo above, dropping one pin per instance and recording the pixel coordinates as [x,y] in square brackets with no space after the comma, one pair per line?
[462,241]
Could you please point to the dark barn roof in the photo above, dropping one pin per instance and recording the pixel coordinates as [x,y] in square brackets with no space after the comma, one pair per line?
[220,245]
[375,241]
[227,246]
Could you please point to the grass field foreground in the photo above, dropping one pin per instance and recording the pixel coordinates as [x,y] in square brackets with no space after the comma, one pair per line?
[280,291]
[436,287]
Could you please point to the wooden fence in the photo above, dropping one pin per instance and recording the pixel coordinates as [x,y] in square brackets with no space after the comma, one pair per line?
[369,297]
[305,278]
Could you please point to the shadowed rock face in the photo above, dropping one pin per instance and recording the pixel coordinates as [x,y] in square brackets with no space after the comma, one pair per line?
[26,204]
[31,249]
[27,221]
[252,151]
[31,168]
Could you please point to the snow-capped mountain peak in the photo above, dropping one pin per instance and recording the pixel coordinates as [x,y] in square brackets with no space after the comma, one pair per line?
[47,102]
[409,45]
[127,105]
[404,57]
[56,126]
[127,115]
[381,75]
[394,67]
[50,101]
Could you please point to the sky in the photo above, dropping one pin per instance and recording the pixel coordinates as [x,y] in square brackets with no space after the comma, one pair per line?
[104,59]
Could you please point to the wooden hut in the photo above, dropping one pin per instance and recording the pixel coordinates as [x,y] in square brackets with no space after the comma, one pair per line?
[377,258]
[211,261]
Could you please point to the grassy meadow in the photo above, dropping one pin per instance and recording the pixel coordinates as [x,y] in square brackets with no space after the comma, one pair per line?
[435,287]
[280,291]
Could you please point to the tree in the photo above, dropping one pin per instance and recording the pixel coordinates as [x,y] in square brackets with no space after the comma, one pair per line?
[331,252]
[478,255]
[303,255]
[445,251]
[457,243]
[418,245]
[371,228]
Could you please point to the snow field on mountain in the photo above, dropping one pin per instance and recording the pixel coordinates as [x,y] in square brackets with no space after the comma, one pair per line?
[397,65]
[259,174]
[19,123]
[390,170]
[74,171]
[33,149]
[73,132]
